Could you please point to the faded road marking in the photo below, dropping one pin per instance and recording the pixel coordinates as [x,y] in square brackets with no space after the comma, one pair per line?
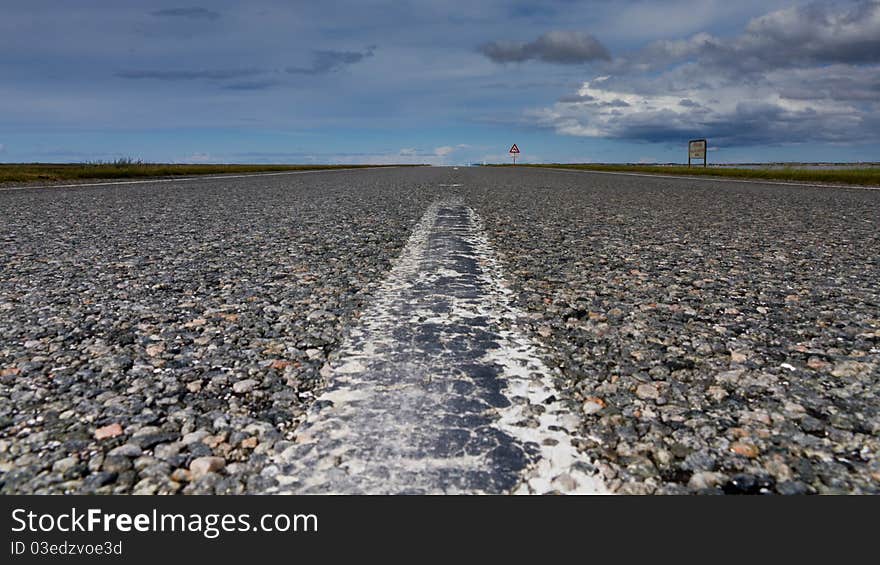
[435,391]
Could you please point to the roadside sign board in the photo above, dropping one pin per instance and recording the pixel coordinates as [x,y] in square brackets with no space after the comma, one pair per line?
[514,151]
[697,150]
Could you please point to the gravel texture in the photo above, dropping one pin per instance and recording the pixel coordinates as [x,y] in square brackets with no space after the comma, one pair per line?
[168,338]
[164,338]
[716,337]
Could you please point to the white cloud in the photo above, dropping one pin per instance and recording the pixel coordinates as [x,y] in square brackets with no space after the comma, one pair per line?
[795,75]
[752,112]
[443,151]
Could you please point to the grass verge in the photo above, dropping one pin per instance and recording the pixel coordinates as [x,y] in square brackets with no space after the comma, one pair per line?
[862,177]
[44,172]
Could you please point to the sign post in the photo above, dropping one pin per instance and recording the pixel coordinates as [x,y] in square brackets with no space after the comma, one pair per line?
[514,151]
[697,149]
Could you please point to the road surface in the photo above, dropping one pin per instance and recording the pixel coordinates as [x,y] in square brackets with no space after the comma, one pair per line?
[471,330]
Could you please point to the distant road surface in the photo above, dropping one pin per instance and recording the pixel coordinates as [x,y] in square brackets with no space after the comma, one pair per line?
[440,330]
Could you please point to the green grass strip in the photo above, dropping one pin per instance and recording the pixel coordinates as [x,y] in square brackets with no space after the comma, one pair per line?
[862,177]
[43,172]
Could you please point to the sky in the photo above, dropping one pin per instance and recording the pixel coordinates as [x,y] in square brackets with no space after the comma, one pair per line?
[438,81]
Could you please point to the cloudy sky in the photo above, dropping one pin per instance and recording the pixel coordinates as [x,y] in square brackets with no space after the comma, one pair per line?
[439,81]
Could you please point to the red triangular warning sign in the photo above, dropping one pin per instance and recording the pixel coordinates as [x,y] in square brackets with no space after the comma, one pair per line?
[514,149]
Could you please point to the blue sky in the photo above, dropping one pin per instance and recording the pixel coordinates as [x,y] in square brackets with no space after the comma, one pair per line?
[440,82]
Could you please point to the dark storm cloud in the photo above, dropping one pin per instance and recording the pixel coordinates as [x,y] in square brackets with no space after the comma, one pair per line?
[761,122]
[329,61]
[750,123]
[576,98]
[816,34]
[172,75]
[802,36]
[195,13]
[802,74]
[835,82]
[563,47]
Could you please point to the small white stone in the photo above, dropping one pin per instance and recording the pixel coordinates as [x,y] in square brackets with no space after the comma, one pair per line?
[591,407]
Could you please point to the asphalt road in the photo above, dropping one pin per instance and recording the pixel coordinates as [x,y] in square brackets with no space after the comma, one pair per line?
[697,336]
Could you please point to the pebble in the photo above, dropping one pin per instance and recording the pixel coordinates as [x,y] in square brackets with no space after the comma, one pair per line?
[204,465]
[127,450]
[116,464]
[109,431]
[181,475]
[244,386]
[194,437]
[65,464]
[812,425]
[647,392]
[167,450]
[745,449]
[706,480]
[592,405]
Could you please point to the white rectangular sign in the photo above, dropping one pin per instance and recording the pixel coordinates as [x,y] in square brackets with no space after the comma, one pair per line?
[697,149]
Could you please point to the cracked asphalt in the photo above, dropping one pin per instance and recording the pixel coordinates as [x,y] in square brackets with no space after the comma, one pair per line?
[708,337]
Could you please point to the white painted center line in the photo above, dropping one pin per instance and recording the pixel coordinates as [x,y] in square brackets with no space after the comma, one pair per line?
[436,390]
